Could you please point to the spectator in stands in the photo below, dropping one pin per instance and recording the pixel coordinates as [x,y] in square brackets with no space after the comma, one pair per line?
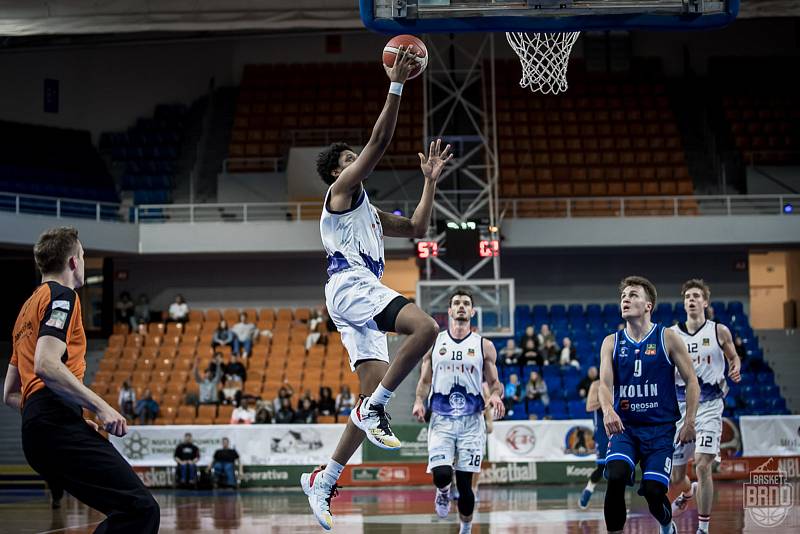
[127,401]
[243,335]
[306,413]
[226,465]
[235,370]
[124,310]
[513,393]
[216,363]
[741,351]
[326,405]
[186,456]
[545,334]
[223,337]
[549,352]
[569,355]
[345,401]
[244,414]
[141,312]
[179,310]
[147,408]
[316,327]
[285,392]
[264,413]
[530,355]
[207,393]
[285,414]
[586,382]
[536,389]
[529,335]
[510,354]
[306,396]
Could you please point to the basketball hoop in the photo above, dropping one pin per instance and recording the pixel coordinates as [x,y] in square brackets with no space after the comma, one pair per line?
[544,58]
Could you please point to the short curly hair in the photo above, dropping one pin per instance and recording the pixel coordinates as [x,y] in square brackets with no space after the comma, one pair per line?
[328,161]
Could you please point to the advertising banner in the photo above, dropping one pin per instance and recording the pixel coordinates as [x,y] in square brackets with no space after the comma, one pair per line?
[542,441]
[770,435]
[256,444]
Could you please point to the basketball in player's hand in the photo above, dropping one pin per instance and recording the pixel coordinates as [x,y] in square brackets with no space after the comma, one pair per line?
[414,45]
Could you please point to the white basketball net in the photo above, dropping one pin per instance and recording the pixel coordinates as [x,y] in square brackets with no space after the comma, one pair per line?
[544,58]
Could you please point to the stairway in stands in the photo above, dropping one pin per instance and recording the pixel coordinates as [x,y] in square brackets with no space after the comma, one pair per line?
[782,351]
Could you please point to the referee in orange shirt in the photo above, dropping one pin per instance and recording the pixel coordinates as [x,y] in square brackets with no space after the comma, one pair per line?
[45,380]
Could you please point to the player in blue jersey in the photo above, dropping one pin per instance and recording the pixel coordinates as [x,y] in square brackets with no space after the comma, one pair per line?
[640,405]
[600,442]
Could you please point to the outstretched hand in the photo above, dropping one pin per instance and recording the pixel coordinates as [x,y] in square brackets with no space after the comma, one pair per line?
[404,63]
[433,165]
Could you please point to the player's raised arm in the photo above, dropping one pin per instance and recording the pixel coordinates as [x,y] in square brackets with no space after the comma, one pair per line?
[417,225]
[352,176]
[729,350]
[491,378]
[423,387]
[611,420]
[677,351]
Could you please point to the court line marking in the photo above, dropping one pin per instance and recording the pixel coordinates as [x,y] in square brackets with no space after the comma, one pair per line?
[69,528]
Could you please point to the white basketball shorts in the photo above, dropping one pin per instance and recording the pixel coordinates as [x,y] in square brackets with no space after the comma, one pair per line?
[462,439]
[708,426]
[353,298]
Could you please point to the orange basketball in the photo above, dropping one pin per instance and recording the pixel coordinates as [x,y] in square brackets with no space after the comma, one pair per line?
[417,46]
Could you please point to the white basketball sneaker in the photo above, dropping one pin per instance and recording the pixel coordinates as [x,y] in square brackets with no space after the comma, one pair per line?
[442,503]
[319,494]
[374,421]
[681,502]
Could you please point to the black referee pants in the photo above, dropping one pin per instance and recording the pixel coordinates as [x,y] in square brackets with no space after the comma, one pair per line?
[67,452]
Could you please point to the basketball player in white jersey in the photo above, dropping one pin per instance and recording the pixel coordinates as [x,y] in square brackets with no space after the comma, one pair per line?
[362,308]
[709,344]
[451,379]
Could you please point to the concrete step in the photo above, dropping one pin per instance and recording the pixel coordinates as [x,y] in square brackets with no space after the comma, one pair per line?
[782,353]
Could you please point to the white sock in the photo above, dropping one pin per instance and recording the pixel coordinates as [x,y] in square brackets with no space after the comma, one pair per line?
[703,522]
[466,528]
[332,472]
[380,396]
[590,486]
[444,491]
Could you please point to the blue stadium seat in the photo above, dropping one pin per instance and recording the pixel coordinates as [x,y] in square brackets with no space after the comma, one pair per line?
[554,387]
[520,412]
[558,409]
[536,407]
[594,311]
[577,408]
[558,312]
[769,391]
[765,377]
[730,402]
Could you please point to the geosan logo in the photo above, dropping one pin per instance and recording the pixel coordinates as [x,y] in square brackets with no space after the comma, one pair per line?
[521,439]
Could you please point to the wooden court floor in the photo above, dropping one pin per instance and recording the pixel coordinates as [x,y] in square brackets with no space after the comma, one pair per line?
[543,509]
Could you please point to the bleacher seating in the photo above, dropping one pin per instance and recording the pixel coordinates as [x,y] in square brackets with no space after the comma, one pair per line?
[53,162]
[281,105]
[757,394]
[163,361]
[765,127]
[610,136]
[149,152]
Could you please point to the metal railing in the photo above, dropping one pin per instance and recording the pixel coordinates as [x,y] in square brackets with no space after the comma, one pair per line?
[677,206]
[669,206]
[60,207]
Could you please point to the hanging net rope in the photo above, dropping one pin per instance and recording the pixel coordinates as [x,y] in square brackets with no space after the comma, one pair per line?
[544,58]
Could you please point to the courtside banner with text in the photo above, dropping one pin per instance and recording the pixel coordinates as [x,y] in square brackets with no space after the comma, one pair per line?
[543,441]
[770,435]
[256,444]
